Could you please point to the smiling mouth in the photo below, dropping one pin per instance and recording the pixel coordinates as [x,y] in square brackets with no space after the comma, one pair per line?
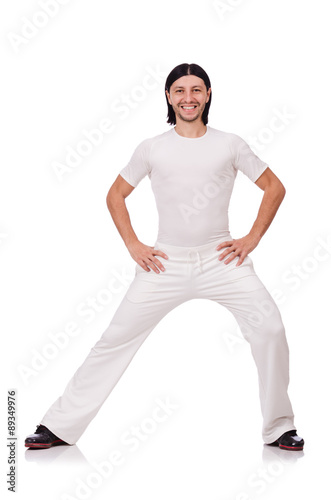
[188,108]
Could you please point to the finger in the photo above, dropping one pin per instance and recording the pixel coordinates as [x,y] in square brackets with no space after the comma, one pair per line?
[224,254]
[159,264]
[162,254]
[224,244]
[230,259]
[144,266]
[153,267]
[233,256]
[241,259]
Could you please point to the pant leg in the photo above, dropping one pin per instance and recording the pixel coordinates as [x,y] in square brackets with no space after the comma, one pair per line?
[241,291]
[149,298]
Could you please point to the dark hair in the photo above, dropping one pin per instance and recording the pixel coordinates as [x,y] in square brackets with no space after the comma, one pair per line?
[183,70]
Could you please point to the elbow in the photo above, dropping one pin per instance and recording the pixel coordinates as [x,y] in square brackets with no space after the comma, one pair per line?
[276,191]
[113,198]
[282,191]
[109,198]
[275,187]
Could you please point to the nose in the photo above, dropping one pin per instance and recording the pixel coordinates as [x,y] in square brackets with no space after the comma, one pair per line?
[188,97]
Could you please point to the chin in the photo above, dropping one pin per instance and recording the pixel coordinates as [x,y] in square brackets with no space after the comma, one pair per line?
[189,119]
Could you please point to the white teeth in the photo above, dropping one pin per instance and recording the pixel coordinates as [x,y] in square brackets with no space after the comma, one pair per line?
[188,107]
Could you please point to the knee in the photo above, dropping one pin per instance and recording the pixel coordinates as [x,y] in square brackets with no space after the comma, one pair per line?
[274,328]
[265,323]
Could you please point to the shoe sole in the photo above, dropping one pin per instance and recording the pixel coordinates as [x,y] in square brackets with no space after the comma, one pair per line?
[44,445]
[296,448]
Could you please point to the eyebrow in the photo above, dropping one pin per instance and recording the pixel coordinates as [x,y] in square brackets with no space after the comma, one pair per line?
[181,87]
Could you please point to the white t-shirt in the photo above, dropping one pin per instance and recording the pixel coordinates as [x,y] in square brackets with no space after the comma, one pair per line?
[192,181]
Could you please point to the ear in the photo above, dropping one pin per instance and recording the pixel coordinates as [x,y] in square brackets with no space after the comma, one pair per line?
[208,94]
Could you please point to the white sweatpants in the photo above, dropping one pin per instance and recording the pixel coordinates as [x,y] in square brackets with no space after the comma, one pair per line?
[191,272]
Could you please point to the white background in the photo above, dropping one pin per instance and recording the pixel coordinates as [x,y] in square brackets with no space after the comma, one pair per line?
[59,246]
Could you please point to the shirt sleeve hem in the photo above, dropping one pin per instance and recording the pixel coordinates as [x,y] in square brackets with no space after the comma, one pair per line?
[127,180]
[264,168]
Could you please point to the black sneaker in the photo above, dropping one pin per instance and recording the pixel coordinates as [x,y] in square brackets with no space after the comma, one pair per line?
[289,441]
[43,438]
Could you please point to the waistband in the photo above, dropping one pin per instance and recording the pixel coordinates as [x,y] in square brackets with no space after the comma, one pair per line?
[202,250]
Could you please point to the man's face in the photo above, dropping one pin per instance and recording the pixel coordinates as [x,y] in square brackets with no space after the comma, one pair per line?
[188,97]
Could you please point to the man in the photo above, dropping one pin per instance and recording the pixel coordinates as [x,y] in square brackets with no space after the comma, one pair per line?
[192,169]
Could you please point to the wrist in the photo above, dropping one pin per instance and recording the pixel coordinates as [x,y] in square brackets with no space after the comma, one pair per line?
[255,235]
[131,242]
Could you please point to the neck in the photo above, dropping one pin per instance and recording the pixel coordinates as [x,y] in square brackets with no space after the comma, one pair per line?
[190,129]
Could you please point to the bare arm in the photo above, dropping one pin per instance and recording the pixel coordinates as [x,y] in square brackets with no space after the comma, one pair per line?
[144,255]
[274,193]
[118,210]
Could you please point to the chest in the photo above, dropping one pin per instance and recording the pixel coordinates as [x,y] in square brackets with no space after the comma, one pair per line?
[190,164]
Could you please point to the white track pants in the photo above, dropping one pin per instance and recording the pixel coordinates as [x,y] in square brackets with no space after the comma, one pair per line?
[191,272]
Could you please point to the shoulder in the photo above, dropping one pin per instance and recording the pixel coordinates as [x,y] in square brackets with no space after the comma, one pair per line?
[146,144]
[233,140]
[222,134]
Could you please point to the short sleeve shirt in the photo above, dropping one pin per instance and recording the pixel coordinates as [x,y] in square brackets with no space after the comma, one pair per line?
[192,180]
